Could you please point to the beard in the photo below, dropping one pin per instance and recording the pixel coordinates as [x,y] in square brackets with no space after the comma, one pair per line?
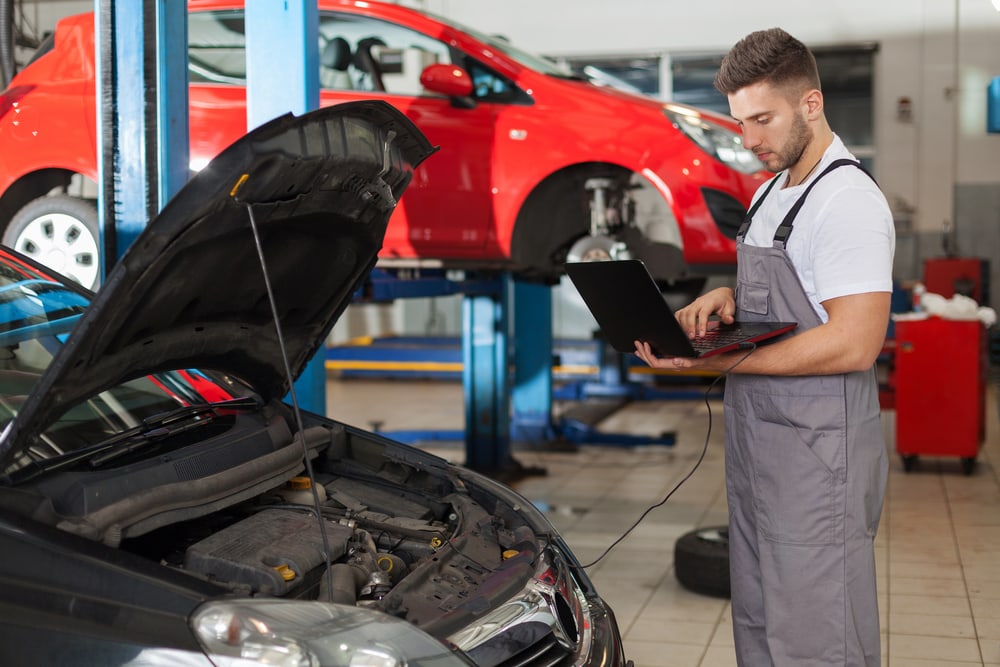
[788,155]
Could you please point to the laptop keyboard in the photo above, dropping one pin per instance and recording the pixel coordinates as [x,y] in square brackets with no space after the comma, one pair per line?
[716,338]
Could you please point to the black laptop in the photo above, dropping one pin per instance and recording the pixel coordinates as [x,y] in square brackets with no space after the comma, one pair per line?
[628,306]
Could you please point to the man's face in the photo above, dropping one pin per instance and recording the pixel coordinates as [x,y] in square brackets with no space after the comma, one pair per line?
[773,126]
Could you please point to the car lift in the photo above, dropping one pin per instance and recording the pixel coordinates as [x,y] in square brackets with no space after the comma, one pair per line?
[582,370]
[506,324]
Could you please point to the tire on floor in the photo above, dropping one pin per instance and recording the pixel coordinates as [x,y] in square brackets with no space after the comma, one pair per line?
[701,561]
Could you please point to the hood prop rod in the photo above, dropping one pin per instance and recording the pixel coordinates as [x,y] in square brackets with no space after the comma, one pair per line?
[291,385]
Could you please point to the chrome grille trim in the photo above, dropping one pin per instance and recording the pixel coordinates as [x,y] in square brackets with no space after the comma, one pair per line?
[546,624]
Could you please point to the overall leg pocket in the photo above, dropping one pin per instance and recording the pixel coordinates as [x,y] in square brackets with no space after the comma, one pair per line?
[800,464]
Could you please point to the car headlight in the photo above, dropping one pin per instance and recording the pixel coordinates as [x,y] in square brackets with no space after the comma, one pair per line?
[287,633]
[720,142]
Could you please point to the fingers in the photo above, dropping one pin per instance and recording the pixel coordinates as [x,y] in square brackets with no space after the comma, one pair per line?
[645,352]
[728,312]
[694,318]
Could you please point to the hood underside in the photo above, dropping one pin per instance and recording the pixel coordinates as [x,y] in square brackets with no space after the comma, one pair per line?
[190,292]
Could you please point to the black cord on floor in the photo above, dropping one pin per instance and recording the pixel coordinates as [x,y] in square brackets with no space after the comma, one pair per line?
[701,457]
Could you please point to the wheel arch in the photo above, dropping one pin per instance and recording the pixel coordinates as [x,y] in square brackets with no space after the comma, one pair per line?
[556,213]
[40,183]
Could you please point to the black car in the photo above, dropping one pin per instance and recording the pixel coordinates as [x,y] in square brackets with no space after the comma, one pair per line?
[162,502]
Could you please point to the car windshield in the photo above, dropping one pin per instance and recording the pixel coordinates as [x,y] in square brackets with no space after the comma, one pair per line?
[501,44]
[37,315]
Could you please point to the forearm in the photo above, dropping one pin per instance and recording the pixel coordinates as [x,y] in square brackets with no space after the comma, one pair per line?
[813,352]
[850,341]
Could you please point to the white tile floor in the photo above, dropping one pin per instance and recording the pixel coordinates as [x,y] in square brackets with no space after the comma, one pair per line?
[938,545]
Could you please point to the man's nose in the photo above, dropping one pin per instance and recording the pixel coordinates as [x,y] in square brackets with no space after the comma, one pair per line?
[750,139]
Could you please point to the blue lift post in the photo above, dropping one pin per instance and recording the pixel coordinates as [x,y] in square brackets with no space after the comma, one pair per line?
[531,398]
[173,135]
[142,157]
[485,364]
[533,393]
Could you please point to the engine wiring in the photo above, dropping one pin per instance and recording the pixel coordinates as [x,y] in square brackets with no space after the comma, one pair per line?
[750,347]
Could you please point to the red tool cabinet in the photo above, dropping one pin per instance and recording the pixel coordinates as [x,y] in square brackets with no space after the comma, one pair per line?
[948,276]
[940,389]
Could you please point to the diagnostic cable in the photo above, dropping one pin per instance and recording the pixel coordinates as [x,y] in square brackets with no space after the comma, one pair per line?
[749,347]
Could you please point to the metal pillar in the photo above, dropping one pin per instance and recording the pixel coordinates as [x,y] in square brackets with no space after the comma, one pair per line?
[282,53]
[173,135]
[485,379]
[532,394]
[141,113]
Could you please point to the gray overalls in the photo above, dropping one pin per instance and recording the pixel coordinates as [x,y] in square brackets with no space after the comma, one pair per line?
[805,477]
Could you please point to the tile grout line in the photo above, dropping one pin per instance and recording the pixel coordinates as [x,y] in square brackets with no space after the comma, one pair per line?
[961,564]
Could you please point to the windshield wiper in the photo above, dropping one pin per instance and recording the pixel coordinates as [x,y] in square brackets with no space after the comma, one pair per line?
[152,429]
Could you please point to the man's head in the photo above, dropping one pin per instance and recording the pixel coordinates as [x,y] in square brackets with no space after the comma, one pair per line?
[768,56]
[774,93]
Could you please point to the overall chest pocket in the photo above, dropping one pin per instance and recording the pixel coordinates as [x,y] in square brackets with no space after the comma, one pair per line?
[752,298]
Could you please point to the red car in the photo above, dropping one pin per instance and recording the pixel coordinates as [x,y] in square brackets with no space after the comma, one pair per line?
[536,166]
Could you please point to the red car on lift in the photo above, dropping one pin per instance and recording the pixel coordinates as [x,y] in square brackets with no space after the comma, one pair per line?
[536,166]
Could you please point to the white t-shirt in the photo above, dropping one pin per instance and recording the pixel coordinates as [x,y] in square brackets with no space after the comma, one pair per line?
[843,237]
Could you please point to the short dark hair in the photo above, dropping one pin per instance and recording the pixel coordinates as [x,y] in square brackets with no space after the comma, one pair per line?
[770,55]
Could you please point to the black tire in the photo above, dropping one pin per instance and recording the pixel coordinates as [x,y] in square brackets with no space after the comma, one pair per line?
[909,461]
[62,233]
[701,561]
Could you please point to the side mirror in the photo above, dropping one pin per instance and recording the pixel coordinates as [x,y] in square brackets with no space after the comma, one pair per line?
[448,80]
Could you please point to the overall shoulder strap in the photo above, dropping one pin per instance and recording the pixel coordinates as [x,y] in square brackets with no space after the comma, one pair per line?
[748,218]
[785,228]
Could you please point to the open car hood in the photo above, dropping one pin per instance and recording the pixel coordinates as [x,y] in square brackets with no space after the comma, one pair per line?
[190,292]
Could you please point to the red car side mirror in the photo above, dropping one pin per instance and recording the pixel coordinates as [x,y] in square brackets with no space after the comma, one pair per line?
[448,80]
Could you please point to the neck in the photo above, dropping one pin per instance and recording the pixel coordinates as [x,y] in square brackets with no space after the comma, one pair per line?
[810,159]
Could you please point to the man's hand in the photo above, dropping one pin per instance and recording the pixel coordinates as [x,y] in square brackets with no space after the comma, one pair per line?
[693,318]
[644,352]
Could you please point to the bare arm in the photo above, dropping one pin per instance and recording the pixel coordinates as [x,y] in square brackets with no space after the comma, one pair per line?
[850,341]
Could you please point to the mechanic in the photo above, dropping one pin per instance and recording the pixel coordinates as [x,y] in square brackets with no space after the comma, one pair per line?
[805,459]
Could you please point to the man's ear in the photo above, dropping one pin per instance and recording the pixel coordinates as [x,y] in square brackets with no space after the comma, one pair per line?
[813,103]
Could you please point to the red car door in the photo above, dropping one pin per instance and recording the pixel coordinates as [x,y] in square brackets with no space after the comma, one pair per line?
[447,210]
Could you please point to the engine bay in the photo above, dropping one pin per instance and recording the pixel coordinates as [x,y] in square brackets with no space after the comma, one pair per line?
[402,538]
[243,506]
